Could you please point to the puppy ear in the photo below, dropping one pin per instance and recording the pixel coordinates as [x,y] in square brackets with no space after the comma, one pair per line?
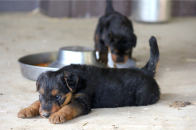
[71,80]
[134,40]
[38,81]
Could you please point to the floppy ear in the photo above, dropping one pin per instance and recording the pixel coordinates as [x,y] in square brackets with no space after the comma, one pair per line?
[71,80]
[38,81]
[134,40]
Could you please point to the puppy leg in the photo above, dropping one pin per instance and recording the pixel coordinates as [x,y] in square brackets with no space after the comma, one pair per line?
[80,105]
[103,51]
[99,43]
[31,111]
[103,56]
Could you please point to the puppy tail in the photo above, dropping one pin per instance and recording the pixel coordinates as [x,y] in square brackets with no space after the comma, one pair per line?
[151,65]
[109,7]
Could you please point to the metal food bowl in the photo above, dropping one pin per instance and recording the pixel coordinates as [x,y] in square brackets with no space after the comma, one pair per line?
[65,56]
[76,55]
[28,68]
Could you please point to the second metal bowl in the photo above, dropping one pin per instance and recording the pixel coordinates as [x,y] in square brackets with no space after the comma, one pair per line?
[75,55]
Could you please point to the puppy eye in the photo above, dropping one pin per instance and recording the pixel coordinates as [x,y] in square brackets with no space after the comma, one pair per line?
[57,97]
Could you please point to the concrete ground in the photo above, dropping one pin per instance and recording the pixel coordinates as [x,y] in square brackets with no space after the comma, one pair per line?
[23,34]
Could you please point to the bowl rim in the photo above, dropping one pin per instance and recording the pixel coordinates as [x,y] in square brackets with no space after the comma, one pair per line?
[68,48]
[33,66]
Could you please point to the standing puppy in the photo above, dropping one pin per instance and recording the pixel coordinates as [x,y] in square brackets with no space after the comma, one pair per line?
[114,32]
[73,90]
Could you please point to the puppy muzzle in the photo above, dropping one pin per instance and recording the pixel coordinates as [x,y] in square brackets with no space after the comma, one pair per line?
[120,59]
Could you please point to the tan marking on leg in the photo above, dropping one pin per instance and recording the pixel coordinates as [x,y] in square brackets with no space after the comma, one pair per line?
[31,111]
[67,112]
[55,108]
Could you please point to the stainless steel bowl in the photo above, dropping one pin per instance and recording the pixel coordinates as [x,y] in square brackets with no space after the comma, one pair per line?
[65,56]
[76,55]
[28,68]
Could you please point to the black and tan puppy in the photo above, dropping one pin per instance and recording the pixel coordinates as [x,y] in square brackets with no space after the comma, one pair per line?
[114,32]
[73,90]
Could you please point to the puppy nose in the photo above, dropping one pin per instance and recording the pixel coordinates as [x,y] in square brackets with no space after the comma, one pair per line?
[46,114]
[120,59]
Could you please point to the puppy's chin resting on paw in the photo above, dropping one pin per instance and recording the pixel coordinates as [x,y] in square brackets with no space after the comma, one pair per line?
[73,90]
[31,111]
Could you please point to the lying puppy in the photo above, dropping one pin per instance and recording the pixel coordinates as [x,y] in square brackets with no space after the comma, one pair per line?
[73,90]
[114,32]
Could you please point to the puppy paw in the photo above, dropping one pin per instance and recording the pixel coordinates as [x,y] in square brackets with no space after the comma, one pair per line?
[28,113]
[57,118]
[103,61]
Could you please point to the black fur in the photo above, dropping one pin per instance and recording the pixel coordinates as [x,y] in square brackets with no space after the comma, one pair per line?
[115,32]
[105,87]
[150,66]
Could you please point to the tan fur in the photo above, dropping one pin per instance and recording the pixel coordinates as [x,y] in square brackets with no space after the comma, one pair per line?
[68,84]
[68,99]
[54,92]
[42,91]
[55,108]
[31,111]
[67,112]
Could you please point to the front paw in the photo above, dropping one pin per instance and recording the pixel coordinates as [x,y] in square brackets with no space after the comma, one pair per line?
[28,113]
[103,60]
[57,118]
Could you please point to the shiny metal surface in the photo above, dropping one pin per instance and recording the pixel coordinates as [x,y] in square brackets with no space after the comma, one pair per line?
[65,56]
[76,55]
[151,10]
[28,68]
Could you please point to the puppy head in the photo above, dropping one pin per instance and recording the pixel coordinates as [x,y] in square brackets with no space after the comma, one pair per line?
[120,46]
[56,90]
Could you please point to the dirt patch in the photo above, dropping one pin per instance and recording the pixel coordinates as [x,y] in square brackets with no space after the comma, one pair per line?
[178,104]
